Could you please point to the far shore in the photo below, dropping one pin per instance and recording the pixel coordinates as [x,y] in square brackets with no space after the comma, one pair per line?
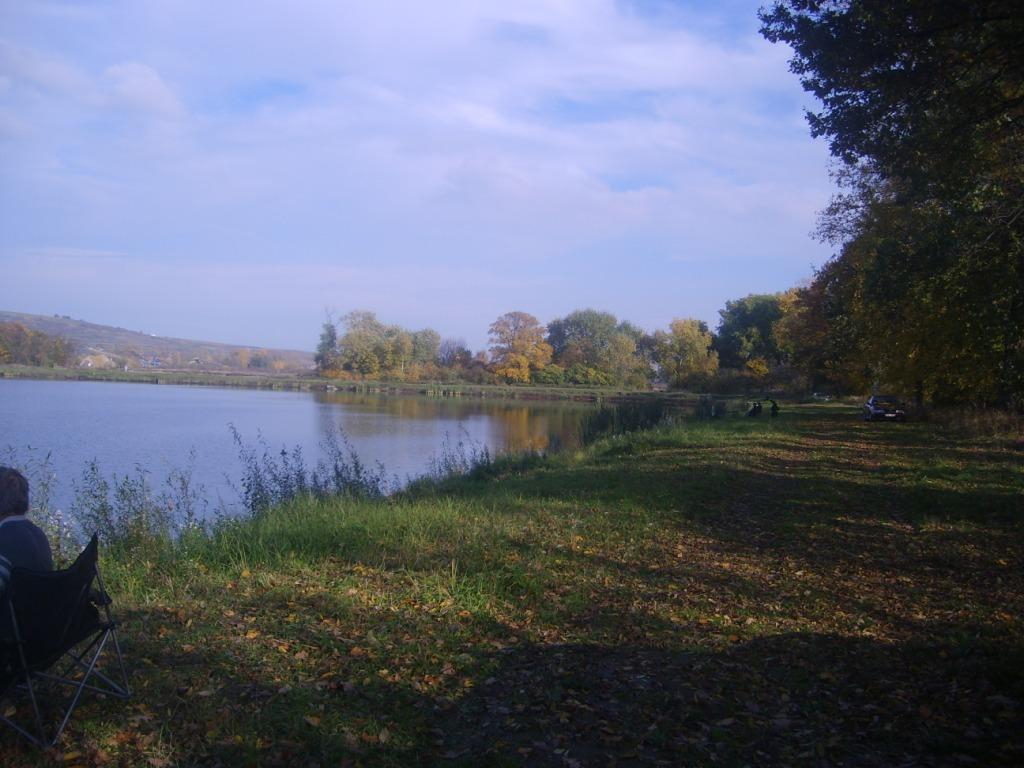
[313,383]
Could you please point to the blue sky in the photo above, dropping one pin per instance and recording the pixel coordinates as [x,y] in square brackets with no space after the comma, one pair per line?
[229,171]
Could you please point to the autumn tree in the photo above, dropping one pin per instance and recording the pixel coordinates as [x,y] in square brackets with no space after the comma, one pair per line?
[240,358]
[370,348]
[518,347]
[921,103]
[23,346]
[394,350]
[685,354]
[361,347]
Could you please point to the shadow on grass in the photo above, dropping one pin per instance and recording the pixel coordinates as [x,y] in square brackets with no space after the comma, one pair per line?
[787,699]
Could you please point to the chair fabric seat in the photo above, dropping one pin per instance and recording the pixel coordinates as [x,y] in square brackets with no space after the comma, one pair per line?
[45,617]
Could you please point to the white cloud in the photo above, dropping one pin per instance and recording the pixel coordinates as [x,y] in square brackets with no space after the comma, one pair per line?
[516,142]
[45,72]
[139,86]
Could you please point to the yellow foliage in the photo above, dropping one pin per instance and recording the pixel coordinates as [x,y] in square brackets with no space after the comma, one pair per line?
[758,367]
[518,346]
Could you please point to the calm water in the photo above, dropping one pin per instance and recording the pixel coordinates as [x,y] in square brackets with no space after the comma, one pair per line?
[157,427]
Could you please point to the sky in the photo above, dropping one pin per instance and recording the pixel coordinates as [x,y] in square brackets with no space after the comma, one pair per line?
[232,171]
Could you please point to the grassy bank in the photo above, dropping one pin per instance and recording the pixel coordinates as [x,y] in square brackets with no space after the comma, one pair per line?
[311,382]
[806,590]
[159,376]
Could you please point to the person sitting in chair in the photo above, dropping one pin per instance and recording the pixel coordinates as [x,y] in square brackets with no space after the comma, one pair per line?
[22,543]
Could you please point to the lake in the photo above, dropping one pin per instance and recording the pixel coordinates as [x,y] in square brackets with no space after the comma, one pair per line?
[161,428]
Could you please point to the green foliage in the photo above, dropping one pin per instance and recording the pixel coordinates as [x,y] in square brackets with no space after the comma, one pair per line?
[585,376]
[922,103]
[368,348]
[550,376]
[745,331]
[425,345]
[597,349]
[327,356]
[581,336]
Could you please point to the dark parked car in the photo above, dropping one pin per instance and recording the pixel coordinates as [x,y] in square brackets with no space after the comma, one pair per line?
[884,407]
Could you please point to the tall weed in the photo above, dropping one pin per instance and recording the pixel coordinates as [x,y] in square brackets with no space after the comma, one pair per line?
[270,479]
[610,420]
[462,457]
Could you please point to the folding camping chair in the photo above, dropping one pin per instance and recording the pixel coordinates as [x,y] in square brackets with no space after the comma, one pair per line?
[53,627]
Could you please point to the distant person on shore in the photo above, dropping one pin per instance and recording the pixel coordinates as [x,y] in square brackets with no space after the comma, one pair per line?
[22,543]
[775,408]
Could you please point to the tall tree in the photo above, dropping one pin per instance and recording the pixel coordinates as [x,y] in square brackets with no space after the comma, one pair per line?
[581,336]
[518,347]
[923,103]
[745,330]
[362,346]
[425,345]
[685,354]
[596,348]
[326,357]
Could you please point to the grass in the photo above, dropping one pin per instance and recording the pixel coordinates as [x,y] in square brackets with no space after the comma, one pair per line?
[811,589]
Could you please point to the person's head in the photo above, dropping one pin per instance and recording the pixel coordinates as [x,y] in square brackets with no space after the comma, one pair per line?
[13,492]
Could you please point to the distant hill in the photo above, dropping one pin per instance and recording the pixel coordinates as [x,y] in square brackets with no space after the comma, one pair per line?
[105,346]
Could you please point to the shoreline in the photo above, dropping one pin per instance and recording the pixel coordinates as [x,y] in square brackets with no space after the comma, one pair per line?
[289,382]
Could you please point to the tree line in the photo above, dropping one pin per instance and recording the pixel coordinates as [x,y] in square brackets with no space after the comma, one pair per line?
[23,346]
[587,347]
[922,104]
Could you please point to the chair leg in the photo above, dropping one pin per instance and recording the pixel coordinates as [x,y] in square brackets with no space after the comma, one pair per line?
[121,690]
[120,663]
[28,684]
[39,740]
[76,657]
[80,687]
[113,625]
